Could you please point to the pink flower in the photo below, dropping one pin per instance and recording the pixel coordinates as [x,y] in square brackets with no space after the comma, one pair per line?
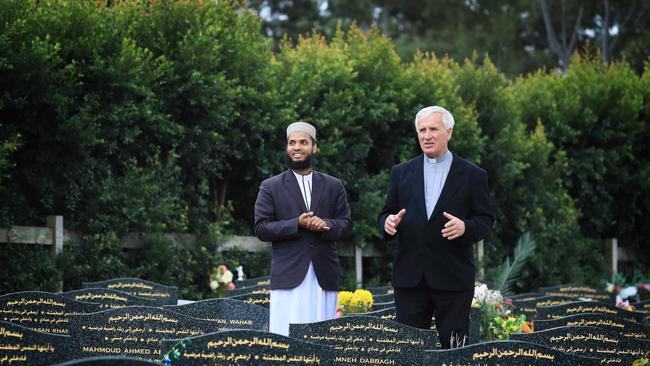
[338,313]
[623,304]
[645,286]
[231,286]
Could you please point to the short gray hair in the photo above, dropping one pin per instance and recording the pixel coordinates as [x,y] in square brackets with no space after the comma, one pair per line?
[447,118]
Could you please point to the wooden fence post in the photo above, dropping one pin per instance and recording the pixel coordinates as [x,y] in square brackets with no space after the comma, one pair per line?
[611,255]
[55,223]
[481,261]
[358,265]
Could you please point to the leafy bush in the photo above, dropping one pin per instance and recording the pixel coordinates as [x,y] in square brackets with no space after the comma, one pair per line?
[158,117]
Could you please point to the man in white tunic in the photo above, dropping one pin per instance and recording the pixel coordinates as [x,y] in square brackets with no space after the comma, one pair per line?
[303,213]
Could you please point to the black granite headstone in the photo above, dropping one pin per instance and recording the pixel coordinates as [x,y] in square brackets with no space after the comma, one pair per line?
[389,314]
[475,335]
[42,311]
[228,313]
[264,280]
[515,353]
[263,300]
[132,331]
[474,322]
[529,307]
[363,340]
[610,347]
[382,305]
[244,347]
[643,307]
[257,289]
[107,298]
[383,298]
[109,361]
[565,286]
[525,296]
[24,346]
[162,294]
[586,307]
[620,325]
[580,292]
[381,290]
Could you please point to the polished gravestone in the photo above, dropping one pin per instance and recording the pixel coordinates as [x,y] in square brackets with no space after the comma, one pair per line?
[622,326]
[474,325]
[363,340]
[608,346]
[515,353]
[580,292]
[258,289]
[383,298]
[109,361]
[381,290]
[162,294]
[643,307]
[20,345]
[228,313]
[133,331]
[385,314]
[263,300]
[245,347]
[389,314]
[525,296]
[107,298]
[42,311]
[382,305]
[529,306]
[264,280]
[586,307]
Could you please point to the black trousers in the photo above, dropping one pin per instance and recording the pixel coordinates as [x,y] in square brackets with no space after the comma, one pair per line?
[415,306]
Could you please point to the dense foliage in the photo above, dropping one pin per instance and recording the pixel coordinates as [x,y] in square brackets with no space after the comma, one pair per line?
[156,117]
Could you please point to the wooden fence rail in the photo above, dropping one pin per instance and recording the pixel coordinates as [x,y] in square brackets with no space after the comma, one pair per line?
[53,235]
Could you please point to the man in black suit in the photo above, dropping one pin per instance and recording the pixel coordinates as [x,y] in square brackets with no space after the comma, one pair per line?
[439,205]
[303,213]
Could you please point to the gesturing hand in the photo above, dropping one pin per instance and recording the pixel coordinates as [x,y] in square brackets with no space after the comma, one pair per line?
[392,221]
[454,228]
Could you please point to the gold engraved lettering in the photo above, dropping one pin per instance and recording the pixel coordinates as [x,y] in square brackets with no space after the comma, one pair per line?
[376,361]
[24,301]
[596,323]
[4,333]
[108,350]
[576,289]
[497,353]
[240,322]
[345,359]
[102,296]
[146,317]
[130,284]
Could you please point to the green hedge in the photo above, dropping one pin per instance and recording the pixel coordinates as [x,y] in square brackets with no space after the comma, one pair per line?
[165,116]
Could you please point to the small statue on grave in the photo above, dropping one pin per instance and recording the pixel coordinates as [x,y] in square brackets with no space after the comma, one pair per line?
[240,273]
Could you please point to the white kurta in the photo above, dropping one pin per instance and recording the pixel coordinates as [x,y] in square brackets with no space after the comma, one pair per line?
[306,303]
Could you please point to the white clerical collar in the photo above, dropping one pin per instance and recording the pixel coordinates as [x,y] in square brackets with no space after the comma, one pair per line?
[439,159]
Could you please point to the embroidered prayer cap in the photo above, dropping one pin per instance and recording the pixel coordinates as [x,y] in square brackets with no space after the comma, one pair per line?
[302,127]
[447,118]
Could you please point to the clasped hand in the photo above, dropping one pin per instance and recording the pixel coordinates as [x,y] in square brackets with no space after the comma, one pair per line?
[310,222]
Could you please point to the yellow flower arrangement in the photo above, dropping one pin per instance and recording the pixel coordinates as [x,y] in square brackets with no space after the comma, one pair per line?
[501,328]
[354,303]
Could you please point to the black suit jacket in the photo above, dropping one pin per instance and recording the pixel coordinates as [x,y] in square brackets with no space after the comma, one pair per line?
[279,203]
[422,251]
